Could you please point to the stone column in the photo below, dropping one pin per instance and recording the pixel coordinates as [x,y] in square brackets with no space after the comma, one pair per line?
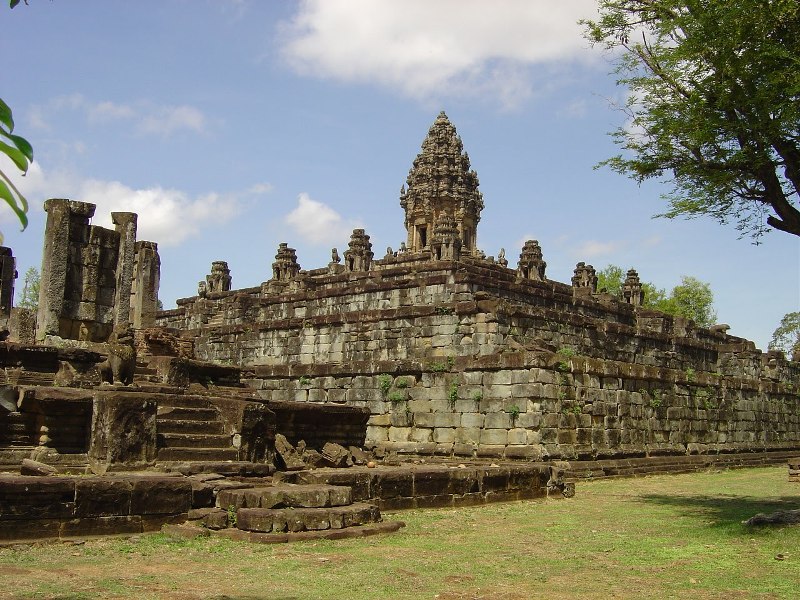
[146,279]
[125,224]
[8,273]
[66,219]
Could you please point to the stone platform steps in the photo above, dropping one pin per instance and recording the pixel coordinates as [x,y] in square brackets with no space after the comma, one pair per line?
[276,513]
[189,428]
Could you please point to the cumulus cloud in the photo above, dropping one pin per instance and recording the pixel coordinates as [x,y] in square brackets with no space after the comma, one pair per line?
[166,216]
[429,49]
[317,223]
[147,118]
[591,249]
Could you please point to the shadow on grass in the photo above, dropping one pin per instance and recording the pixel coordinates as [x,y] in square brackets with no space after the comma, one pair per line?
[725,511]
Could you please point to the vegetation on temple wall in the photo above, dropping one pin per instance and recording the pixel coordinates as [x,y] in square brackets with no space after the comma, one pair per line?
[691,298]
[714,105]
[787,336]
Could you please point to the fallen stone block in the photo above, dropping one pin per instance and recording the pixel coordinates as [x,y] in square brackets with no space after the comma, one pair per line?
[36,468]
[334,455]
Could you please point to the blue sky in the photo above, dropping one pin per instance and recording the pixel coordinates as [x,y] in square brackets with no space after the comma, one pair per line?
[231,126]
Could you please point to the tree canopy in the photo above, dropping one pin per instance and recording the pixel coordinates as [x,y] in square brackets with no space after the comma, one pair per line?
[714,104]
[691,298]
[786,337]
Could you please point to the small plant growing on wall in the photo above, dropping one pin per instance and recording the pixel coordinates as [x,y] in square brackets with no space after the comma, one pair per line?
[401,383]
[477,395]
[566,353]
[396,397]
[304,380]
[452,395]
[514,412]
[690,374]
[384,383]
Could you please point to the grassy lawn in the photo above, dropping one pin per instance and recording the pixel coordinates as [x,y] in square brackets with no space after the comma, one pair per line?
[674,536]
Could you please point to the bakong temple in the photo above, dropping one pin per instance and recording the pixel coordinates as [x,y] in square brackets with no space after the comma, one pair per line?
[429,375]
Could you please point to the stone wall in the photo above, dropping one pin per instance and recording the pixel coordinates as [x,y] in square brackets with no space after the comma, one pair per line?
[466,359]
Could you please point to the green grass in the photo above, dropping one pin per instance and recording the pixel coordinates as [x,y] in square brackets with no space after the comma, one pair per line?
[675,536]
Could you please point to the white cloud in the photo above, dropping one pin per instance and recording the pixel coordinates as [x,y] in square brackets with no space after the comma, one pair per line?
[429,49]
[166,216]
[166,120]
[591,249]
[317,223]
[148,118]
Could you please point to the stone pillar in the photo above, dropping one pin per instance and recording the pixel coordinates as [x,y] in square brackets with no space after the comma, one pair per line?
[66,220]
[144,289]
[125,225]
[8,273]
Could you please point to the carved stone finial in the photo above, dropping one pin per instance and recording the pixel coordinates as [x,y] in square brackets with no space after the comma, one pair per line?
[403,248]
[335,256]
[202,289]
[220,278]
[531,265]
[441,182]
[358,256]
[585,277]
[285,267]
[632,291]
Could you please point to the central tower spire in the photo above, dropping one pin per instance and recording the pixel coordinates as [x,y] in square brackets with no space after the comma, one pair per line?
[441,188]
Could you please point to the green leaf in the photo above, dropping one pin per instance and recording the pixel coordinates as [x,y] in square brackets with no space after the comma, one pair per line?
[5,116]
[11,200]
[23,146]
[15,155]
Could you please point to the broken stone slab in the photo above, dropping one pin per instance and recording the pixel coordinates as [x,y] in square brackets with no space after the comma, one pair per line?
[33,467]
[286,457]
[334,455]
[312,458]
[360,457]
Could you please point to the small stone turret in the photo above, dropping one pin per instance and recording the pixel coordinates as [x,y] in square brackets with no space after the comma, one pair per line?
[531,265]
[219,280]
[446,243]
[585,279]
[285,267]
[632,291]
[358,256]
[440,183]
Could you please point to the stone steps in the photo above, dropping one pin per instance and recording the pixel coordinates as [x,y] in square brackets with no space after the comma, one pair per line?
[181,413]
[189,426]
[287,495]
[193,440]
[198,454]
[293,520]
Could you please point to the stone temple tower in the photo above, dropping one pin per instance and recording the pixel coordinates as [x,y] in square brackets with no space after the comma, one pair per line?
[441,188]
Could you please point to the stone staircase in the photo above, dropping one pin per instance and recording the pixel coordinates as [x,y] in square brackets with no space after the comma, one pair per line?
[284,512]
[189,428]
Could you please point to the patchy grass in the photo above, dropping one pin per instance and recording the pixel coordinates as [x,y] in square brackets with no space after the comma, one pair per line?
[676,536]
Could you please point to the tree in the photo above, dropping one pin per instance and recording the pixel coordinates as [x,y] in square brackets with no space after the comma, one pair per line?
[786,337]
[30,290]
[691,298]
[714,104]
